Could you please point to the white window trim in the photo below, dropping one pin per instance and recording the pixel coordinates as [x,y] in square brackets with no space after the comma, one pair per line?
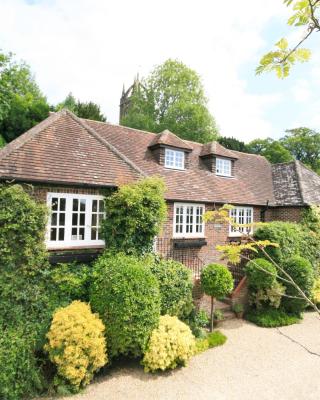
[194,234]
[237,233]
[174,156]
[68,243]
[224,159]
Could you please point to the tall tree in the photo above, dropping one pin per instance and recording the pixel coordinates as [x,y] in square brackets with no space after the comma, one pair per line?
[22,105]
[232,143]
[304,144]
[273,150]
[306,13]
[173,99]
[88,110]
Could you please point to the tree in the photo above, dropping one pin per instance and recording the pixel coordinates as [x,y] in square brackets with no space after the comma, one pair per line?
[173,99]
[273,150]
[22,105]
[216,282]
[232,143]
[88,110]
[304,144]
[282,58]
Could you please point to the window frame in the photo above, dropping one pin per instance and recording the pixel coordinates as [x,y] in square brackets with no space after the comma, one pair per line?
[183,222]
[238,233]
[68,242]
[224,160]
[175,152]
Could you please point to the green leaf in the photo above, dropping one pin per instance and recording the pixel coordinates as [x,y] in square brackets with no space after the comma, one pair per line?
[282,44]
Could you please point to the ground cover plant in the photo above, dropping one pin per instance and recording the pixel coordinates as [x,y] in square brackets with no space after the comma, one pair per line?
[213,339]
[271,317]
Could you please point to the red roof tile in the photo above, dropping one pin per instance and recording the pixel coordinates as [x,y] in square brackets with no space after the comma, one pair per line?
[215,148]
[168,138]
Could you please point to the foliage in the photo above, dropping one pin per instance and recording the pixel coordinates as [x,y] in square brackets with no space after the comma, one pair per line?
[126,295]
[269,296]
[134,215]
[316,291]
[306,13]
[218,315]
[213,339]
[238,308]
[76,344]
[2,141]
[311,219]
[72,279]
[175,284]
[22,229]
[171,344]
[20,376]
[197,320]
[272,149]
[304,144]
[87,110]
[232,143]
[22,104]
[271,317]
[172,98]
[300,270]
[261,273]
[216,280]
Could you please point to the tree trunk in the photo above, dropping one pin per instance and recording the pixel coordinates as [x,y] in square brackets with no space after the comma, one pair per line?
[212,312]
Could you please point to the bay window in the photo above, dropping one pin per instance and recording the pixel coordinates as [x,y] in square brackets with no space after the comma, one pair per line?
[188,220]
[75,220]
[242,216]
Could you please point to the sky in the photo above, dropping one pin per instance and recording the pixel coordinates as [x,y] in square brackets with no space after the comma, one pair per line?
[92,47]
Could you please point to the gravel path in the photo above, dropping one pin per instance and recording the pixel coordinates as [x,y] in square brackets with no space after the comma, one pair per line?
[254,364]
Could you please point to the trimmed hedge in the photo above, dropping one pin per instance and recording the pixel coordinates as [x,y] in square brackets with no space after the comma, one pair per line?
[126,295]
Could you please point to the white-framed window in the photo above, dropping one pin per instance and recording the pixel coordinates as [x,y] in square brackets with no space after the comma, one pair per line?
[241,215]
[188,220]
[174,159]
[223,167]
[75,220]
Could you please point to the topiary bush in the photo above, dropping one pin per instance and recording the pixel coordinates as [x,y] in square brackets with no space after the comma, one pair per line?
[76,345]
[216,282]
[22,233]
[126,295]
[300,270]
[170,345]
[134,216]
[261,273]
[175,284]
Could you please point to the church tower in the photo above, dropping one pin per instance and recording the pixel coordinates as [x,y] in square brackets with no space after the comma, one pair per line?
[126,95]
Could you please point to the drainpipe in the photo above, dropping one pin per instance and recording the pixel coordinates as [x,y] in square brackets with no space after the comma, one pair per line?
[263,212]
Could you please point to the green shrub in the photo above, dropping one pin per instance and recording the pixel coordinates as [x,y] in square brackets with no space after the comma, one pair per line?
[175,284]
[20,376]
[170,345]
[22,233]
[126,295]
[213,339]
[261,273]
[271,317]
[268,297]
[197,321]
[134,215]
[316,292]
[76,345]
[72,280]
[301,272]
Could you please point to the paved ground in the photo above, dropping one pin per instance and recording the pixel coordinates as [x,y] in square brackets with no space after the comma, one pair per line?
[255,363]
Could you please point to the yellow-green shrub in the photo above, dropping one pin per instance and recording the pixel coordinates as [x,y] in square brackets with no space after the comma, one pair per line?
[170,345]
[316,291]
[76,344]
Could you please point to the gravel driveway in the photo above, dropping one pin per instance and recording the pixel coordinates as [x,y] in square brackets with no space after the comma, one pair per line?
[255,363]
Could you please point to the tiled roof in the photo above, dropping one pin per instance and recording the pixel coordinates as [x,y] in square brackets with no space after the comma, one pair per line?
[215,148]
[168,138]
[295,184]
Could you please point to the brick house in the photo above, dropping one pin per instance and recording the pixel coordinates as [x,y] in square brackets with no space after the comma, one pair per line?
[71,161]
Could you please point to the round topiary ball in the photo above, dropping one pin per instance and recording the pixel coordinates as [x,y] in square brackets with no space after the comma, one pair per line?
[126,295]
[216,280]
[261,273]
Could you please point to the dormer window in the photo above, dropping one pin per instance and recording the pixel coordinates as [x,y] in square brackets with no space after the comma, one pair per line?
[223,167]
[174,159]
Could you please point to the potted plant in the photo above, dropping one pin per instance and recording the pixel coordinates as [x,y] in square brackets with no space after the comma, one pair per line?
[238,310]
[217,317]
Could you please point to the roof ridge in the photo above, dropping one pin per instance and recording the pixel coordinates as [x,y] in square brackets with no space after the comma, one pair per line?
[121,126]
[30,134]
[96,135]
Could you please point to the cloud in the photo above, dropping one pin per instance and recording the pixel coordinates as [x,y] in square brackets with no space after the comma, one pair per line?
[92,47]
[301,90]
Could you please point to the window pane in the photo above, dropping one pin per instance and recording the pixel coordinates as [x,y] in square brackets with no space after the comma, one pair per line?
[74,219]
[100,236]
[82,205]
[82,219]
[62,219]
[75,205]
[53,234]
[94,220]
[81,234]
[94,205]
[54,219]
[61,233]
[62,204]
[101,205]
[74,234]
[54,204]
[93,233]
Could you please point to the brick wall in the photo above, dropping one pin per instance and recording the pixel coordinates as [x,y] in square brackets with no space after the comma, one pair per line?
[291,214]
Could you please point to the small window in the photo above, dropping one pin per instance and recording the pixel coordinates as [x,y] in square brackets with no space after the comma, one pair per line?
[243,216]
[174,159]
[223,167]
[188,220]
